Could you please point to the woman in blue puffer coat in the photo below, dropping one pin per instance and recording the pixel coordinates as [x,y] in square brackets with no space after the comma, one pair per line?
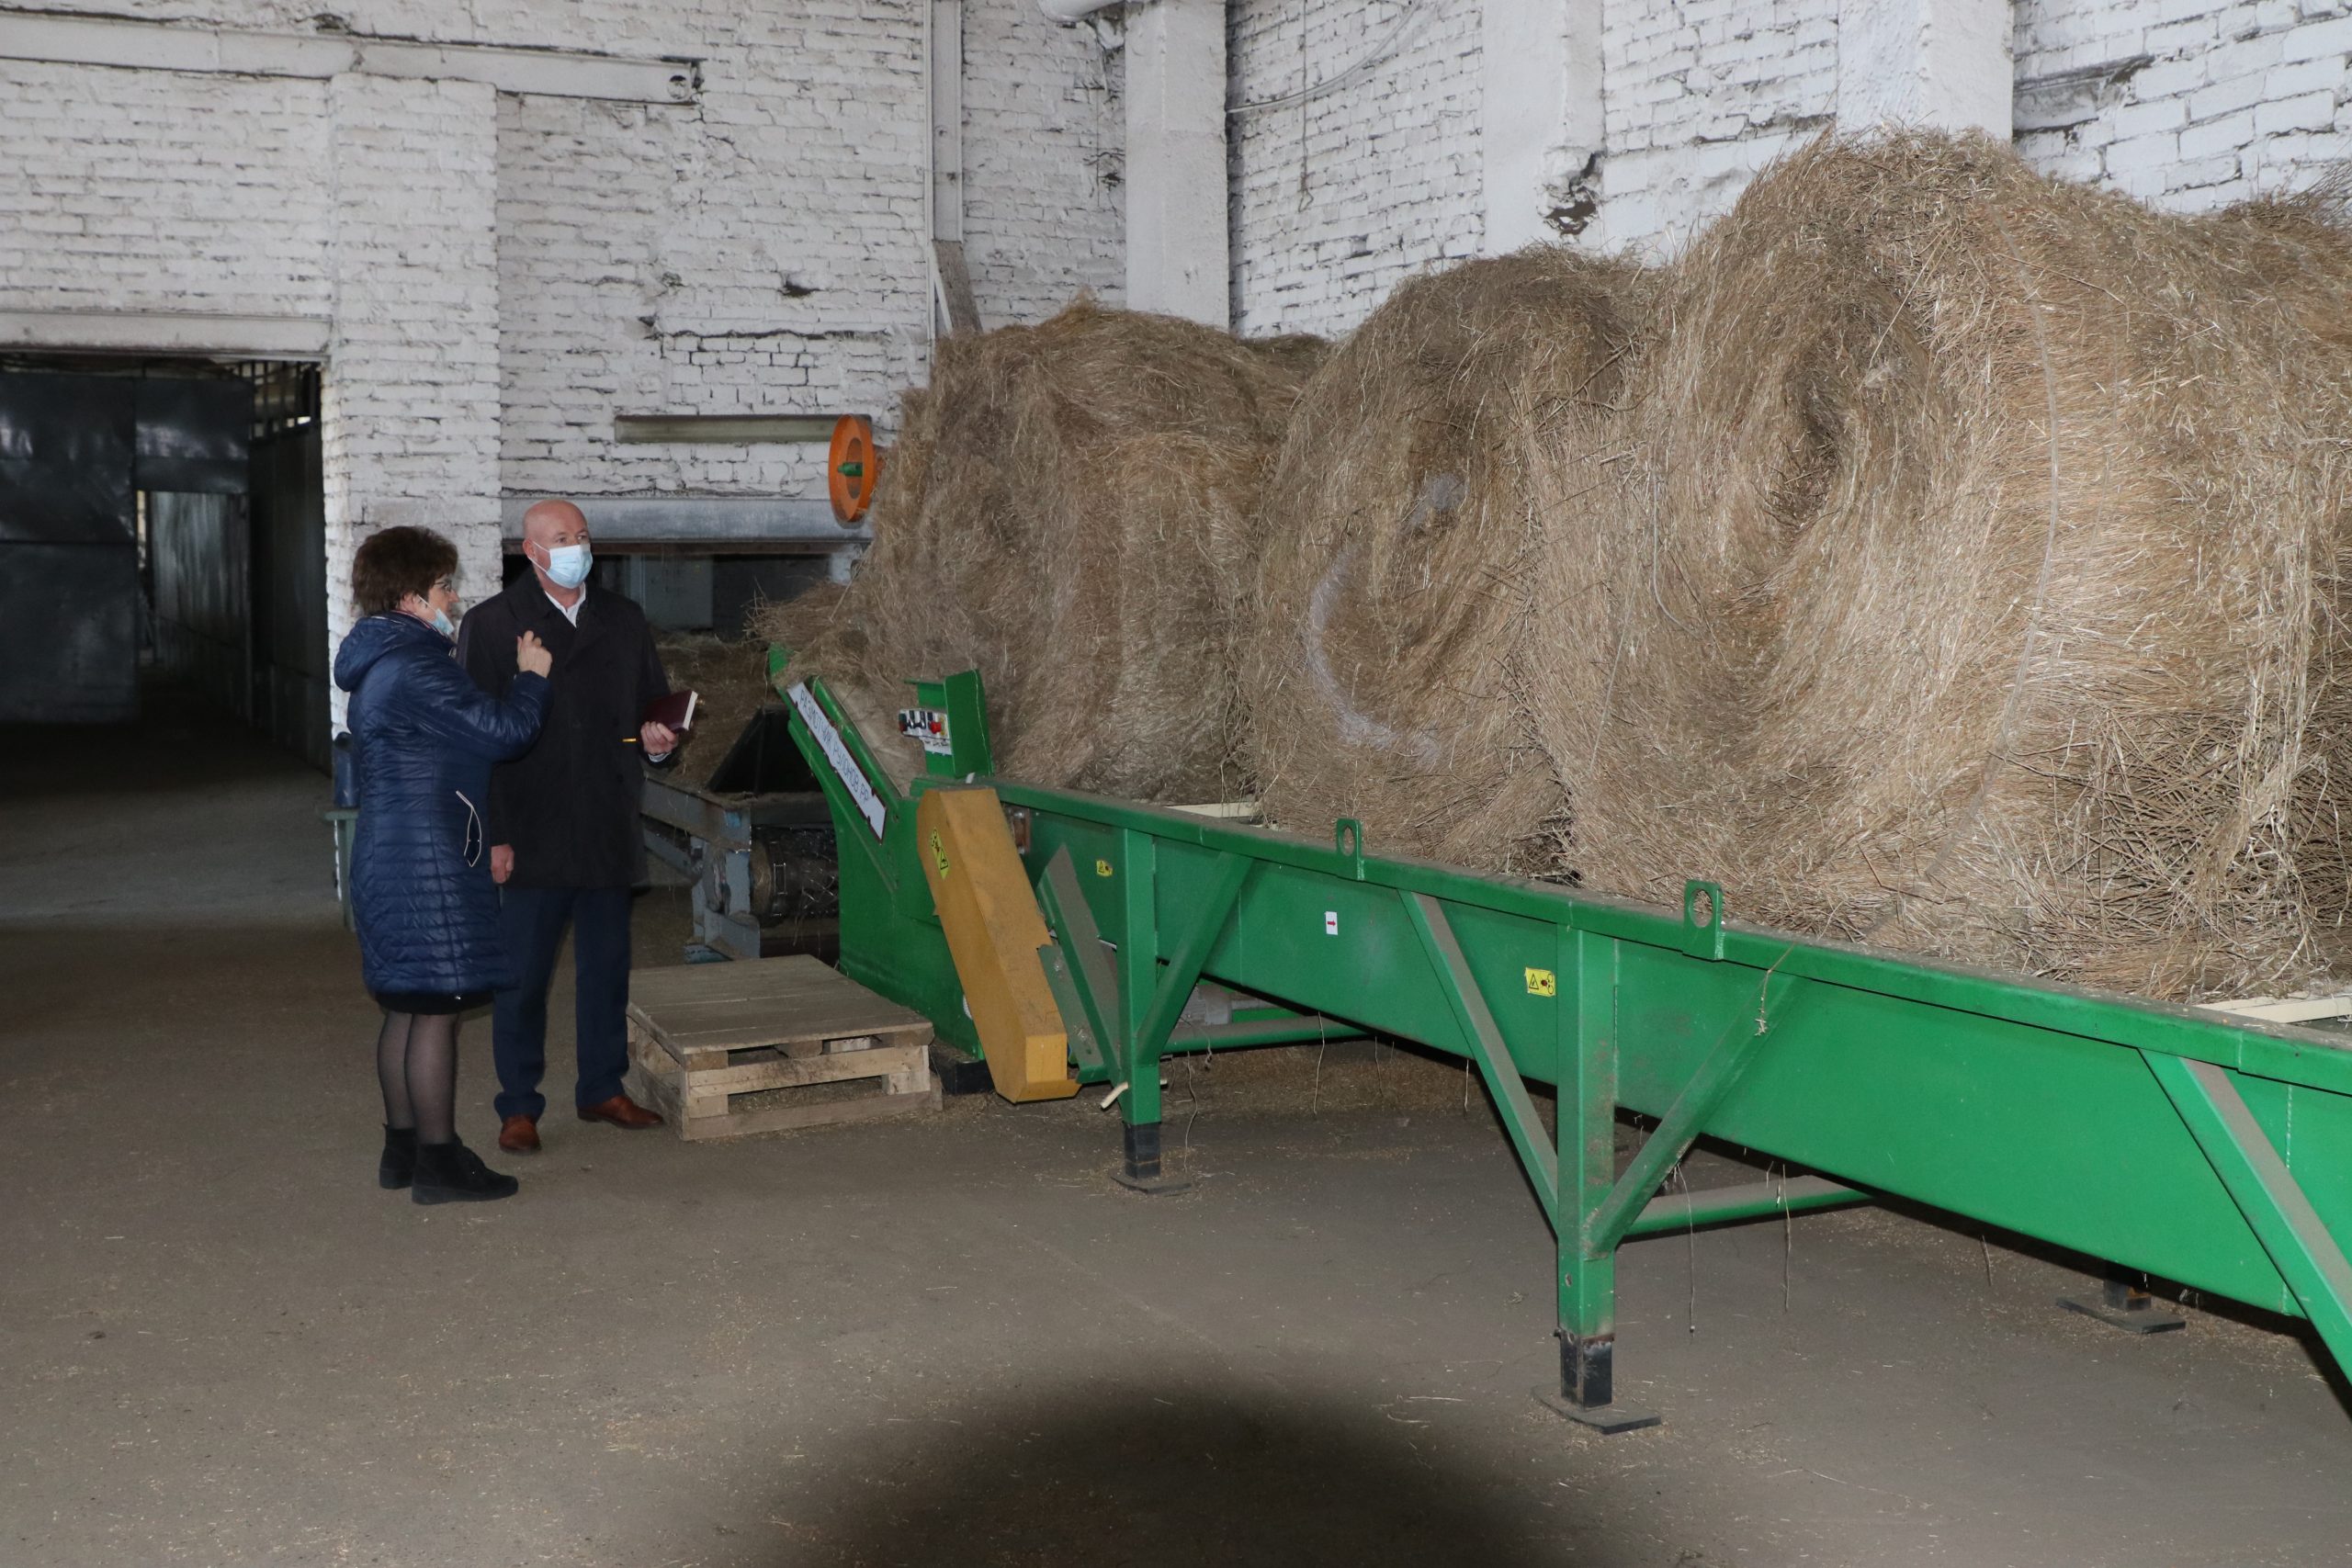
[423,737]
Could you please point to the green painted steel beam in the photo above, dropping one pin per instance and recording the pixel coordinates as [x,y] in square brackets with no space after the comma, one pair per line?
[2277,1210]
[1680,1212]
[1485,1043]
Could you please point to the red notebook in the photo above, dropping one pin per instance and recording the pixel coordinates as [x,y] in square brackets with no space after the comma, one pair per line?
[676,710]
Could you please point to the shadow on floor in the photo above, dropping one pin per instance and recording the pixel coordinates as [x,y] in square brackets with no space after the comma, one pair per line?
[1147,1475]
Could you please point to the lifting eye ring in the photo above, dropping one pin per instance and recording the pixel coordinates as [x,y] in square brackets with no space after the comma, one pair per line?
[852,465]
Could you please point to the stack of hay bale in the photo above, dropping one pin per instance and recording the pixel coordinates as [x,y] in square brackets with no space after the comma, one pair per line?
[1938,555]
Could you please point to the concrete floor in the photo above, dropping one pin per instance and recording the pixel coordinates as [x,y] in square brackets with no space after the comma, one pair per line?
[953,1339]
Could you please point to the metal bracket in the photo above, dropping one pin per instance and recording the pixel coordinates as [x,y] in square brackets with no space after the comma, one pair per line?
[1703,918]
[1347,838]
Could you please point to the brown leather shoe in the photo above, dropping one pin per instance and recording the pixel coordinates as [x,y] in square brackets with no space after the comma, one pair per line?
[622,1112]
[519,1135]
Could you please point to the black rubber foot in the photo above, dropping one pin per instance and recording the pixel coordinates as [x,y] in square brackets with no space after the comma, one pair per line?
[1606,1419]
[958,1074]
[1141,1171]
[2131,1319]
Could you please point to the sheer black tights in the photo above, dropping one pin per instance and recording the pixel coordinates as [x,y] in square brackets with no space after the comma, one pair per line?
[416,1067]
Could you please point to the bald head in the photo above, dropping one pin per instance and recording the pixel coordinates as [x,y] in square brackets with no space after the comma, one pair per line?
[555,535]
[551,522]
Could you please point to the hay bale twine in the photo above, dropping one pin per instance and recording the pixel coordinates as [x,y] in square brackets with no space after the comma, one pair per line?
[1382,678]
[1068,508]
[1975,591]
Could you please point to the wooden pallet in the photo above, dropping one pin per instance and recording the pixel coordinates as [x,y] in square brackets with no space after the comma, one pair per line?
[767,1044]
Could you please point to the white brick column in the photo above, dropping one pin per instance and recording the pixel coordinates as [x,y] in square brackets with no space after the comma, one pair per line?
[410,431]
[1940,63]
[1177,242]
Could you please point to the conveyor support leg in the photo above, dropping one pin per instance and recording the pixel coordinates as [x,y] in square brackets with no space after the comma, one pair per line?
[1587,1169]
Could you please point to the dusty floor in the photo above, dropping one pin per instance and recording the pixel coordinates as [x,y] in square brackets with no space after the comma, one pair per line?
[954,1340]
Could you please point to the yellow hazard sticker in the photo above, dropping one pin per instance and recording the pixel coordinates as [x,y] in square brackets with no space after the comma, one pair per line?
[1542,983]
[1101,868]
[938,852]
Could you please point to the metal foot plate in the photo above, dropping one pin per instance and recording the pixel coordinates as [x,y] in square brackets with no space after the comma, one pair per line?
[1159,1186]
[2132,1320]
[1607,1419]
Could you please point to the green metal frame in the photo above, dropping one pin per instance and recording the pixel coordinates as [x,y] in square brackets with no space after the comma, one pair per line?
[2213,1152]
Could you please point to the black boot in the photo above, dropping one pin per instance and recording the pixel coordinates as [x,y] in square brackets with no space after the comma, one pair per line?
[397,1166]
[452,1173]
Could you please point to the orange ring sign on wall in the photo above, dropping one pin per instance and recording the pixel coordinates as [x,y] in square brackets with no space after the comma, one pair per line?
[851,467]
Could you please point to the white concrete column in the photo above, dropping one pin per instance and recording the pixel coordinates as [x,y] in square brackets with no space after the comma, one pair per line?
[1943,64]
[1177,250]
[1542,117]
[408,425]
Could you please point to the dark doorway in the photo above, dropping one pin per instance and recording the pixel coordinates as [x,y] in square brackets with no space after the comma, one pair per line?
[164,512]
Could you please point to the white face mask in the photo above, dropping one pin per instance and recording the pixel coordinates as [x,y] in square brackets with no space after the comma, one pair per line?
[568,565]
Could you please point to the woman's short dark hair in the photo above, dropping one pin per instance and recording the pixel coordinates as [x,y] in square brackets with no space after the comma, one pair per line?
[396,562]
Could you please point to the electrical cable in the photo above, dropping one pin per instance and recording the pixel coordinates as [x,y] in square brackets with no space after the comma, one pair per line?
[1378,55]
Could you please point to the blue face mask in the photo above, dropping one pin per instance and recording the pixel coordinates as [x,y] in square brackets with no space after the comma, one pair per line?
[568,565]
[441,623]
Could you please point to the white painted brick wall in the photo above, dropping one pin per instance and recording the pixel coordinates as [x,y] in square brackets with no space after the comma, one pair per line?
[1699,95]
[1044,136]
[1336,201]
[2190,104]
[763,251]
[144,190]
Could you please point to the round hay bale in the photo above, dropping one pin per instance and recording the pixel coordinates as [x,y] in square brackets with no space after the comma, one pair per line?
[1382,681]
[1068,509]
[1974,590]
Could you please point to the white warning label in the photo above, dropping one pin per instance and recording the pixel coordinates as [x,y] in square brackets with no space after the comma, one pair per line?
[837,752]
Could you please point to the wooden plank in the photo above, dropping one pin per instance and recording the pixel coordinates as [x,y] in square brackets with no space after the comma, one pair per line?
[790,1072]
[664,1083]
[710,1048]
[769,1022]
[786,1118]
[828,999]
[706,1055]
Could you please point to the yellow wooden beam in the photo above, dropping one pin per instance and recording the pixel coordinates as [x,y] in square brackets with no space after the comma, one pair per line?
[994,932]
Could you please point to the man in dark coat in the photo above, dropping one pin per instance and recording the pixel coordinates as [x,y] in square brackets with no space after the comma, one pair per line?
[566,844]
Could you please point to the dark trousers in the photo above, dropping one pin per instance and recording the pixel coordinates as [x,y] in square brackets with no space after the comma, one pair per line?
[532,919]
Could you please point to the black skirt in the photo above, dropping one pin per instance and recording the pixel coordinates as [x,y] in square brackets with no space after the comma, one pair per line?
[430,1002]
